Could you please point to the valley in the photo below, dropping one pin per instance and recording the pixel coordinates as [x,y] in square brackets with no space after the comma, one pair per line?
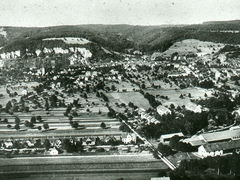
[116,97]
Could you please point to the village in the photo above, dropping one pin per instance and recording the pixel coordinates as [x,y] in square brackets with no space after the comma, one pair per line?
[180,105]
[79,107]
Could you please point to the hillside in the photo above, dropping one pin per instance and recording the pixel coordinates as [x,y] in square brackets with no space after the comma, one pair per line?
[119,38]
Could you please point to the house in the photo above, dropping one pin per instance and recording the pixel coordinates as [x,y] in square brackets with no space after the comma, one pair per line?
[163,110]
[165,138]
[127,138]
[53,151]
[220,148]
[193,107]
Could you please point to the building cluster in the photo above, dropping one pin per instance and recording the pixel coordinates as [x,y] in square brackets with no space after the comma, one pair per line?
[216,143]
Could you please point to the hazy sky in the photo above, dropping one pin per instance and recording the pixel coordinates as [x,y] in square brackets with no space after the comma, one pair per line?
[136,12]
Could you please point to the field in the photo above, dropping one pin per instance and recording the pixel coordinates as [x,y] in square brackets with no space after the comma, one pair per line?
[70,40]
[83,167]
[91,114]
[196,93]
[59,125]
[193,46]
[126,97]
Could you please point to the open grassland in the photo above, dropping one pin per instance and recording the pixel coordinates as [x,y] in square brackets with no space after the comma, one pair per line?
[126,97]
[193,46]
[174,95]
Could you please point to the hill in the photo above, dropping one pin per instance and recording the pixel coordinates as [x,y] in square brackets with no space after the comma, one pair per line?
[119,38]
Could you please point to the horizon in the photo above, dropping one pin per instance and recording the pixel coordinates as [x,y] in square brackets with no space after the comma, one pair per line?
[38,13]
[231,20]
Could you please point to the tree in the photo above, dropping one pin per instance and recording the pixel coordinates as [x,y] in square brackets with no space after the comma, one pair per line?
[5,120]
[31,125]
[165,149]
[103,125]
[124,128]
[45,125]
[46,105]
[75,124]
[39,118]
[98,94]
[113,88]
[33,119]
[26,123]
[66,144]
[17,120]
[70,118]
[26,109]
[39,128]
[8,106]
[17,127]
[38,144]
[47,144]
[174,142]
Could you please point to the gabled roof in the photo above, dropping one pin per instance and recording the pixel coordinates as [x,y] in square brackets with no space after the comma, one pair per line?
[164,136]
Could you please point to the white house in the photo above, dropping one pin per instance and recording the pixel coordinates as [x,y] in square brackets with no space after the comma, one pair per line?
[193,107]
[53,151]
[163,110]
[128,138]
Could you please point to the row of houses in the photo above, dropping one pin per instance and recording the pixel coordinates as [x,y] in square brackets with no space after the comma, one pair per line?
[145,116]
[56,50]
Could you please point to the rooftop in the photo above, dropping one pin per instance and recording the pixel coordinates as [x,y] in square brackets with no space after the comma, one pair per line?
[222,146]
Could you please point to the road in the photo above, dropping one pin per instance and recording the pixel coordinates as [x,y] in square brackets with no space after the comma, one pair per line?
[160,155]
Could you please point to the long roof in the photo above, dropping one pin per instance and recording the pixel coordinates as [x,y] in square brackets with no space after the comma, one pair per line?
[221,135]
[164,136]
[212,147]
[213,137]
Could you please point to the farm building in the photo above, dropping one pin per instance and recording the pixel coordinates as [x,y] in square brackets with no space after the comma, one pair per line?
[213,137]
[165,138]
[215,149]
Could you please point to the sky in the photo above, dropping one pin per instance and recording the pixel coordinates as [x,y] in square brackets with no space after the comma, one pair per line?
[42,13]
